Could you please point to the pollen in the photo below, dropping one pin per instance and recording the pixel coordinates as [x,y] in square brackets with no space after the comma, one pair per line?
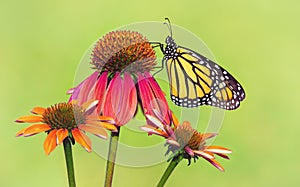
[123,51]
[64,115]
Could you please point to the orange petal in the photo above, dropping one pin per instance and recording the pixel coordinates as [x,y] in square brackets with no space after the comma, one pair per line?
[89,105]
[175,120]
[98,131]
[153,130]
[20,133]
[109,126]
[204,154]
[29,119]
[74,102]
[34,129]
[105,125]
[218,149]
[209,135]
[82,139]
[106,118]
[38,110]
[50,142]
[61,135]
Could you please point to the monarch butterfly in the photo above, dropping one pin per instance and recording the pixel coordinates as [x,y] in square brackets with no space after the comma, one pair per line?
[196,80]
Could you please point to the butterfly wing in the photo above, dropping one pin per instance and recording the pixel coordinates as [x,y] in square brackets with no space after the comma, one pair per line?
[195,80]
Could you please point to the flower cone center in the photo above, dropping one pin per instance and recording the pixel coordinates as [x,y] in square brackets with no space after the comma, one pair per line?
[120,51]
[64,115]
[187,136]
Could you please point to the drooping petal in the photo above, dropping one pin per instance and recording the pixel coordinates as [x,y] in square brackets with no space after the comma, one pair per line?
[61,135]
[50,142]
[34,129]
[29,119]
[84,91]
[189,151]
[129,99]
[38,110]
[152,98]
[223,155]
[87,92]
[98,131]
[100,90]
[75,91]
[82,139]
[215,163]
[156,122]
[170,131]
[121,100]
[112,97]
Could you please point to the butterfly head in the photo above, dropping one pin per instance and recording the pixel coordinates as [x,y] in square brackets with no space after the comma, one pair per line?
[170,40]
[171,45]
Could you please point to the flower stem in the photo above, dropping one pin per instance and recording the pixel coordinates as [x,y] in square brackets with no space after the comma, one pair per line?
[69,162]
[112,152]
[174,162]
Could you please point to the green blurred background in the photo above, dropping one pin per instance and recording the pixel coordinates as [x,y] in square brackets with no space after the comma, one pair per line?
[42,42]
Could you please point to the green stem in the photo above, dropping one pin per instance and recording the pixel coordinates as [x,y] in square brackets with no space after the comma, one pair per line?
[69,162]
[174,162]
[112,152]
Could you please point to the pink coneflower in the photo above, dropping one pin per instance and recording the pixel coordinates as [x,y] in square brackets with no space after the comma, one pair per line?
[122,80]
[183,140]
[123,61]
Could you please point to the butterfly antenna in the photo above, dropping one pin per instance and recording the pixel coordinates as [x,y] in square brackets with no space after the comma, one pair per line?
[168,23]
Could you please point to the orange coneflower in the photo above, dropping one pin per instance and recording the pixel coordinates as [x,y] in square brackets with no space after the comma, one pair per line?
[66,120]
[183,140]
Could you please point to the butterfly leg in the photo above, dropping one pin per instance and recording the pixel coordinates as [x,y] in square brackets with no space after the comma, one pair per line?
[160,68]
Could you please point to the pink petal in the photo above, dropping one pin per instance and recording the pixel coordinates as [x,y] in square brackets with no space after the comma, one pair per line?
[152,98]
[173,142]
[215,163]
[121,100]
[71,91]
[156,122]
[152,130]
[83,92]
[189,151]
[100,90]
